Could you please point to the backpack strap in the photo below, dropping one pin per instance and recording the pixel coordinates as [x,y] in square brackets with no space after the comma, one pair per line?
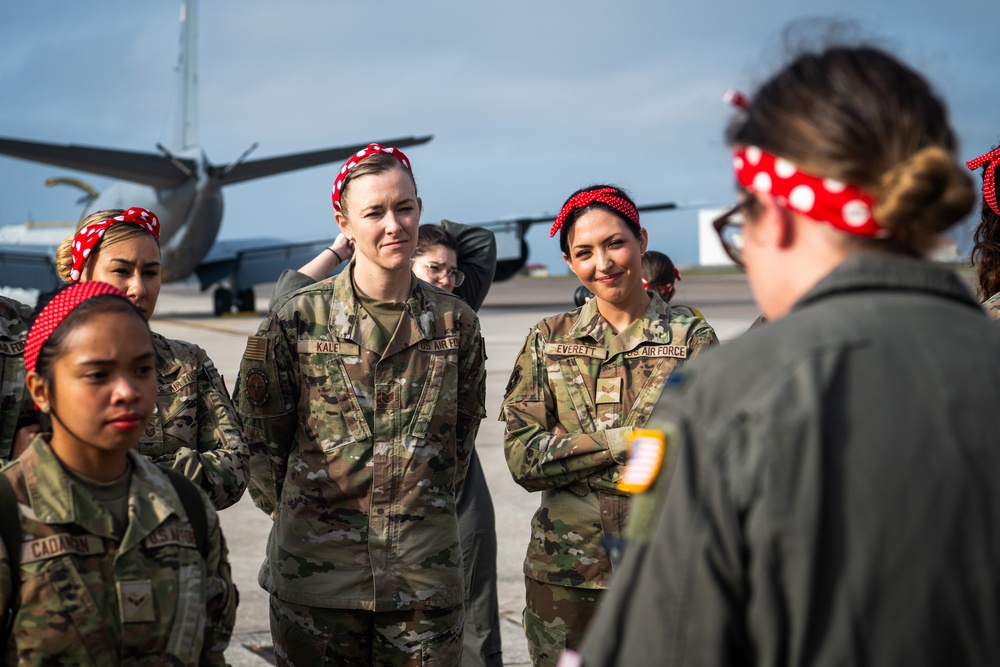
[194,507]
[10,532]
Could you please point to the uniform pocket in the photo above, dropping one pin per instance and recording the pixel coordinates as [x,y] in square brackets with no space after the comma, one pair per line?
[177,411]
[327,395]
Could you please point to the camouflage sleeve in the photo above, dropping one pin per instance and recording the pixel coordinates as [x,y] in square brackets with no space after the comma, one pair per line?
[537,457]
[5,585]
[289,281]
[265,398]
[221,462]
[701,337]
[472,399]
[221,597]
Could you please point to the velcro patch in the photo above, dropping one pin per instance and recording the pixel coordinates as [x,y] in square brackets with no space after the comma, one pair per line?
[12,348]
[256,348]
[135,601]
[676,351]
[166,535]
[609,390]
[575,350]
[440,344]
[59,545]
[645,456]
[327,347]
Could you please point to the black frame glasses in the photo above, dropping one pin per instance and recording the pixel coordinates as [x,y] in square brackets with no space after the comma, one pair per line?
[729,227]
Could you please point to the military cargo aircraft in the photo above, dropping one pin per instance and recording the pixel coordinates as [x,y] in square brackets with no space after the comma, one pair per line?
[184,189]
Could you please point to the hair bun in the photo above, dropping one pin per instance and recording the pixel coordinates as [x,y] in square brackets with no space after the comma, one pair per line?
[926,193]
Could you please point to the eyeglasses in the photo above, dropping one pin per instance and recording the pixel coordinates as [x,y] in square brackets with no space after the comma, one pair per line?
[729,227]
[437,271]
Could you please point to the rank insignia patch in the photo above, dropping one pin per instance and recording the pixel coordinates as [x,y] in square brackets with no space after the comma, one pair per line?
[645,456]
[255,386]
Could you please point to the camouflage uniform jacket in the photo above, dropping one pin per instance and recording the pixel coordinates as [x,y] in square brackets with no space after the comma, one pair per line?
[992,306]
[195,429]
[359,456]
[15,405]
[575,371]
[88,598]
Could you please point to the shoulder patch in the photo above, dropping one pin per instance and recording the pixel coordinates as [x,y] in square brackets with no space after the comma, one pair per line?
[515,379]
[645,457]
[255,386]
[256,348]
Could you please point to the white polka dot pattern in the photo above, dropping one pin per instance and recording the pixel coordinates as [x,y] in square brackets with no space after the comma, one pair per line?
[55,311]
[608,196]
[844,206]
[87,238]
[368,151]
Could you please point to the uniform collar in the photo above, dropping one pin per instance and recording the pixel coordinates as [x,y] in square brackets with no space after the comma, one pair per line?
[347,322]
[865,271]
[55,499]
[652,327]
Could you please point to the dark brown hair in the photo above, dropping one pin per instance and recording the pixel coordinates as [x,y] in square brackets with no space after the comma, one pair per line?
[859,115]
[986,251]
[577,213]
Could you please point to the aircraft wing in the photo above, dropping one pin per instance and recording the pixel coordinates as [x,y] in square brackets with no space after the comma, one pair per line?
[146,168]
[250,261]
[250,169]
[524,223]
[29,267]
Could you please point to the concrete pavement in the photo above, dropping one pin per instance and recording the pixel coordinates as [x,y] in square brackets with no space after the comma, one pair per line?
[510,310]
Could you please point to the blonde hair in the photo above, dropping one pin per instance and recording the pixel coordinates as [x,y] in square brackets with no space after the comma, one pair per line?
[114,234]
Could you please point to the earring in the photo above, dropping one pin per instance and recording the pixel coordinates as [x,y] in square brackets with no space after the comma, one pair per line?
[45,408]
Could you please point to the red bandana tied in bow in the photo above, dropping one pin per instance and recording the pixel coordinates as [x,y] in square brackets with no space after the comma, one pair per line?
[87,238]
[55,312]
[842,205]
[664,289]
[370,150]
[989,177]
[607,196]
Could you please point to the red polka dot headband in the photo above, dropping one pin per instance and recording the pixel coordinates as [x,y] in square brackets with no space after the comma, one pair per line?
[842,205]
[87,238]
[607,196]
[989,176]
[371,149]
[55,312]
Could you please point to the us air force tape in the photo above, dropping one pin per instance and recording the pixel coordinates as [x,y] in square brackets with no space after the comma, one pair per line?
[645,456]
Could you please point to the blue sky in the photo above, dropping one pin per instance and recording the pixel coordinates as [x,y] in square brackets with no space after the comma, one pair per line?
[527,100]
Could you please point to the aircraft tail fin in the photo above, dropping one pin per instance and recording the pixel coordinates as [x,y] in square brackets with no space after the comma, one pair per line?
[252,169]
[186,131]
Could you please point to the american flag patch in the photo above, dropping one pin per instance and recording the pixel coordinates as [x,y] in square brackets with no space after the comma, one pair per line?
[645,456]
[256,348]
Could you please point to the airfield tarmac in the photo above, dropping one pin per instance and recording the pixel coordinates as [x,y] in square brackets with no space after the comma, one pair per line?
[511,308]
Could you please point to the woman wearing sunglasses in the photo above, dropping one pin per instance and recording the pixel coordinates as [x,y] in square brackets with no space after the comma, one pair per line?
[831,499]
[582,384]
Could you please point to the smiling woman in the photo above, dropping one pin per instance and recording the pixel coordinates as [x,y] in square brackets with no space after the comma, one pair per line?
[583,382]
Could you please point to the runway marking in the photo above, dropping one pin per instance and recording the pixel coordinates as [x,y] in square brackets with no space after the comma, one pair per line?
[200,325]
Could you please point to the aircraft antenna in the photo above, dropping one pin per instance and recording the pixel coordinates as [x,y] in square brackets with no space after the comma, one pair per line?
[186,132]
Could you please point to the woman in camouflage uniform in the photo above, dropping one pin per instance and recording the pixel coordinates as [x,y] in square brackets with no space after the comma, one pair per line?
[362,396]
[986,252]
[194,428]
[112,569]
[582,382]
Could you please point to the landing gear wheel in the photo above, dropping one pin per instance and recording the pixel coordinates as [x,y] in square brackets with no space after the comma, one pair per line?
[223,301]
[245,301]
